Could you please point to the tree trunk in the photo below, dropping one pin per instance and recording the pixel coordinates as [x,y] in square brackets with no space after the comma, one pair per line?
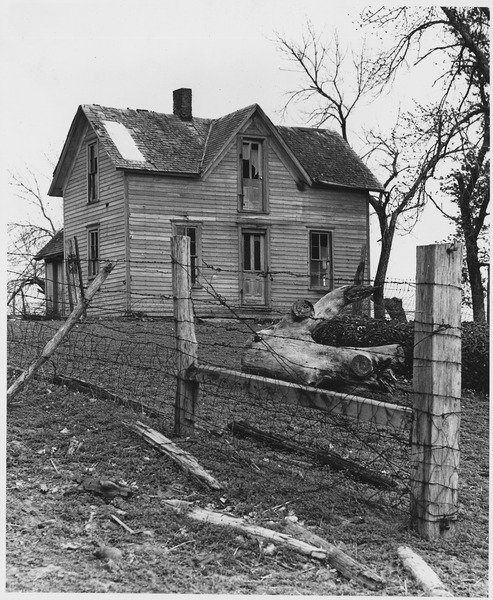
[475,280]
[387,232]
[288,351]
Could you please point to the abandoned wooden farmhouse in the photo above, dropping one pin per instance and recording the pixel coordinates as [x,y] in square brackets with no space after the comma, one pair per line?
[274,213]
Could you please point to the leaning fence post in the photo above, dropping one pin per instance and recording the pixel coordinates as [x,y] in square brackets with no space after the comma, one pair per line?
[186,343]
[437,390]
[62,334]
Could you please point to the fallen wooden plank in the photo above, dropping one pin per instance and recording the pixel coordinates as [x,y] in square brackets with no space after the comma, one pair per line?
[276,537]
[345,564]
[181,457]
[325,457]
[423,573]
[338,403]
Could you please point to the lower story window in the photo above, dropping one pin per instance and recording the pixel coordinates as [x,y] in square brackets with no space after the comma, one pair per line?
[320,259]
[193,232]
[93,255]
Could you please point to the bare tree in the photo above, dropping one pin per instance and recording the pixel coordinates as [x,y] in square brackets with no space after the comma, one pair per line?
[26,236]
[461,117]
[426,140]
[339,77]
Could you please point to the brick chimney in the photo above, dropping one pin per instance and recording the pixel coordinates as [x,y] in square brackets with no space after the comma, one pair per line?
[182,104]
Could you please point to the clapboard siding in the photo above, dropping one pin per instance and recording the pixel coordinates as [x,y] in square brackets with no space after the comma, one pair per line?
[155,202]
[108,213]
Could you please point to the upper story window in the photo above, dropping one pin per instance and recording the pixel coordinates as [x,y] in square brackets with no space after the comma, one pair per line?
[92,173]
[321,268]
[252,186]
[93,252]
[193,231]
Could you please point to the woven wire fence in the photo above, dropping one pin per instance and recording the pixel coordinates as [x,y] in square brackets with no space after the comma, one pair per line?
[262,432]
[283,441]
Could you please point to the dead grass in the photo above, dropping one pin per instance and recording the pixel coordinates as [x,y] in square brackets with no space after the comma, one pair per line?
[53,524]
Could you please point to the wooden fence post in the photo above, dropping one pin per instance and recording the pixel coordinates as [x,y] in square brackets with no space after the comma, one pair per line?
[62,333]
[437,390]
[186,344]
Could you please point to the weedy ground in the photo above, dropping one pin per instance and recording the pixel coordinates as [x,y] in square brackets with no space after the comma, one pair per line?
[56,438]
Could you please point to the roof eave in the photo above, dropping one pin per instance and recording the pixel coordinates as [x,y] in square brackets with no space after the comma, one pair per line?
[186,175]
[67,154]
[42,256]
[334,184]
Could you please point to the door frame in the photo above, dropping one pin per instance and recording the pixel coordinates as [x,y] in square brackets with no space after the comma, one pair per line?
[264,230]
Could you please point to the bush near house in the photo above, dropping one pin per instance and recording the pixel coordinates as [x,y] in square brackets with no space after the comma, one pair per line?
[363,331]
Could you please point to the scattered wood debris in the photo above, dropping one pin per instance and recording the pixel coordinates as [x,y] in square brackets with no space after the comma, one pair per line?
[329,553]
[345,564]
[183,458]
[106,488]
[423,573]
[122,524]
[325,457]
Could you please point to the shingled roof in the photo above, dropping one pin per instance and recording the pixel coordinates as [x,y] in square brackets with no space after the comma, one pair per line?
[328,158]
[168,144]
[53,249]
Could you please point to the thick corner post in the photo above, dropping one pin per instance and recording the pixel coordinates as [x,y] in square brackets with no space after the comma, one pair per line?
[437,390]
[186,343]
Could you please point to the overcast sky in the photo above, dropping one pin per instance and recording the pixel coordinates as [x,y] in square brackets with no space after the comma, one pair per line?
[59,54]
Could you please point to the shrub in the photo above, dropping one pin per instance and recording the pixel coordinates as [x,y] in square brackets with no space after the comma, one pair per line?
[363,331]
[476,356]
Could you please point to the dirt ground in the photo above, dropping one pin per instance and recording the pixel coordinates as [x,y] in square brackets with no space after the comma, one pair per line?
[62,535]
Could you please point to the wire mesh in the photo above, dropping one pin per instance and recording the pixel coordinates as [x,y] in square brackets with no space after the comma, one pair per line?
[268,434]
[274,433]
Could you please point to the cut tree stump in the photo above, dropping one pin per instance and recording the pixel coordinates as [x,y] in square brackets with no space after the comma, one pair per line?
[288,351]
[352,569]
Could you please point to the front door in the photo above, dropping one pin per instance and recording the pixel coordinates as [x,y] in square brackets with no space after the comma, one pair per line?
[254,276]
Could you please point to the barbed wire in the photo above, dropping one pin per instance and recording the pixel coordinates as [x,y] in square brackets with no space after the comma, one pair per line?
[120,349]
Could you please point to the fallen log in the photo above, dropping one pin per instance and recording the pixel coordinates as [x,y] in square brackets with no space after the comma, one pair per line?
[184,459]
[423,573]
[263,533]
[288,351]
[324,457]
[345,564]
[305,318]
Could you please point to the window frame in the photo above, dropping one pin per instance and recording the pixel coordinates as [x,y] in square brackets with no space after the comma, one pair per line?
[262,141]
[330,260]
[93,262]
[177,226]
[93,172]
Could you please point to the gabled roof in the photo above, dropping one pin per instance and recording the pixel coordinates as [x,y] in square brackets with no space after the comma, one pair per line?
[53,249]
[161,143]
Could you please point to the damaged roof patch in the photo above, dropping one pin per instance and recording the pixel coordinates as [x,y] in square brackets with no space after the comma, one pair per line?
[123,141]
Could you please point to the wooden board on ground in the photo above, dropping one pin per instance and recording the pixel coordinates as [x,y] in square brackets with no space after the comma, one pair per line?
[352,569]
[184,459]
